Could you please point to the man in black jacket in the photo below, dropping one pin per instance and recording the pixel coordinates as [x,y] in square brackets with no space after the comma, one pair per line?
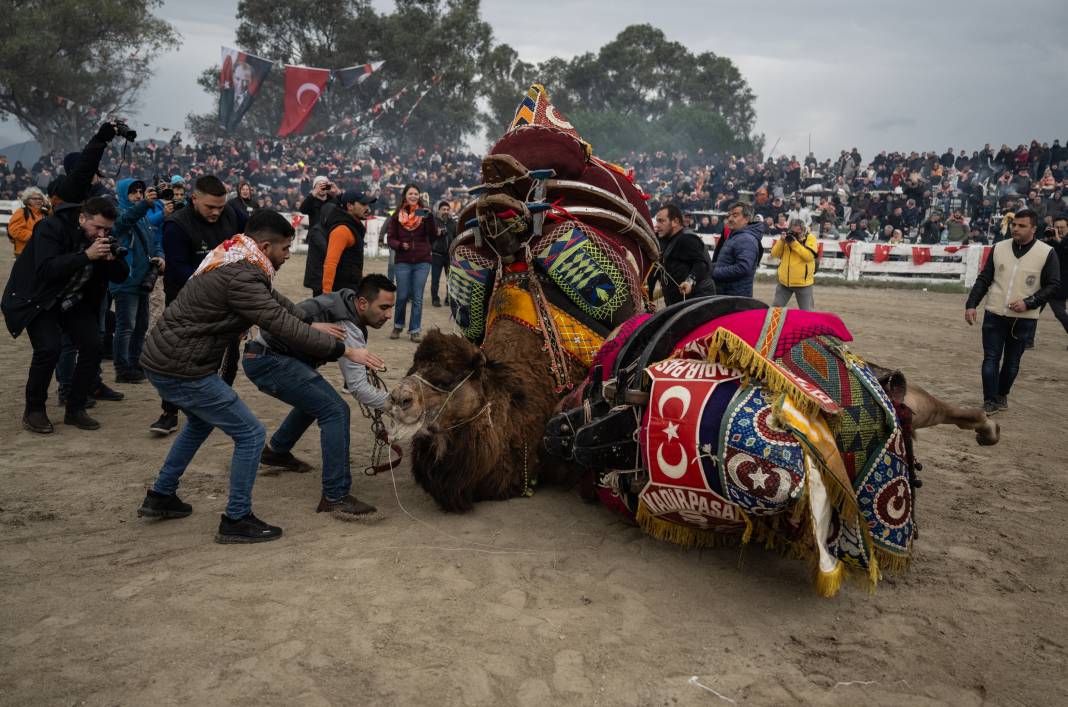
[1060,247]
[189,235]
[439,250]
[55,288]
[684,269]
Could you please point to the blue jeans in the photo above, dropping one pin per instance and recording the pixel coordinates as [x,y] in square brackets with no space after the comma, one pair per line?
[313,400]
[1004,339]
[208,403]
[131,325]
[411,282]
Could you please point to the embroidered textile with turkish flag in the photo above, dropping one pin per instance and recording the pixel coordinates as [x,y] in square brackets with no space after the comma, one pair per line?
[921,255]
[304,86]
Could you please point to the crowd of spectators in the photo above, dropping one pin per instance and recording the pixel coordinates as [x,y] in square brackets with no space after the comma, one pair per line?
[929,198]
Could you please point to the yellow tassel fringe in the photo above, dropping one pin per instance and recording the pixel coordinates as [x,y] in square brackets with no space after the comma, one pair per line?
[828,583]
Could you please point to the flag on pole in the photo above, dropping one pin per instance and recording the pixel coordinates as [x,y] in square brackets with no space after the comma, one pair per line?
[354,75]
[240,79]
[304,86]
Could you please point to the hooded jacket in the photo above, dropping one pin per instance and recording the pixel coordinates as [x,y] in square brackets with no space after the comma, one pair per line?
[133,230]
[20,227]
[738,259]
[51,258]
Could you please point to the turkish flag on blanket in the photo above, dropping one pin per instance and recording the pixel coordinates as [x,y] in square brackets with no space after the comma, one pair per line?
[921,255]
[304,85]
[882,253]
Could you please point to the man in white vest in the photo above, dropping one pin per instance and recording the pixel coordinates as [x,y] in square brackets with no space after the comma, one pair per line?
[1020,275]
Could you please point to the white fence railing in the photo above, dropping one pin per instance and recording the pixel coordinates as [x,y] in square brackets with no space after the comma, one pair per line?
[6,209]
[857,260]
[371,248]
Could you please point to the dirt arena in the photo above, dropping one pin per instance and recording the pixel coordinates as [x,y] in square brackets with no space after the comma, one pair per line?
[539,601]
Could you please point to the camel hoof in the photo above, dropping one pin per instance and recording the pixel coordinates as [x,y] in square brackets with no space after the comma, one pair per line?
[985,441]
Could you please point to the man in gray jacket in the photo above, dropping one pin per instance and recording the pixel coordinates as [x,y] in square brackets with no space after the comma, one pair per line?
[291,376]
[230,291]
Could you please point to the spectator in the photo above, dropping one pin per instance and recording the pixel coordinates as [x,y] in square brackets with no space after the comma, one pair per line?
[20,227]
[410,232]
[55,288]
[798,251]
[1059,243]
[344,224]
[439,249]
[144,260]
[736,265]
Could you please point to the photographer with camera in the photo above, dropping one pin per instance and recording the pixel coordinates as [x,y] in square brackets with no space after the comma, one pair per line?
[189,234]
[798,250]
[55,288]
[144,257]
[322,191]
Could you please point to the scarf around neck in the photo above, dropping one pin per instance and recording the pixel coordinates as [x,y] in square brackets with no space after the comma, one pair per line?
[408,218]
[234,250]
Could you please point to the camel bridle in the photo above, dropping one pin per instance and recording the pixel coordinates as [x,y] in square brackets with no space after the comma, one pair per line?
[448,397]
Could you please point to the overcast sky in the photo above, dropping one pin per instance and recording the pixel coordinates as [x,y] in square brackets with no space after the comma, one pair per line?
[903,75]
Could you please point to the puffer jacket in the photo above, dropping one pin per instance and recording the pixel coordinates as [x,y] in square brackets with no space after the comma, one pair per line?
[20,227]
[798,265]
[737,262]
[133,230]
[212,309]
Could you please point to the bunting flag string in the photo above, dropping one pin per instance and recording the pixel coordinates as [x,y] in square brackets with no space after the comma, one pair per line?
[93,111]
[433,83]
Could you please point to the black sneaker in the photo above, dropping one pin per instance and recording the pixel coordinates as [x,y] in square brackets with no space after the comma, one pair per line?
[105,393]
[990,407]
[436,303]
[81,420]
[166,424]
[248,529]
[1002,401]
[160,505]
[284,460]
[37,421]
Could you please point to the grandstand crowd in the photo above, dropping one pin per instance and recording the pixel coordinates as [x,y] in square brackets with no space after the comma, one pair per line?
[923,197]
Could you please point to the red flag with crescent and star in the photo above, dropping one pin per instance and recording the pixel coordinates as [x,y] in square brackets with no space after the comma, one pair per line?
[304,86]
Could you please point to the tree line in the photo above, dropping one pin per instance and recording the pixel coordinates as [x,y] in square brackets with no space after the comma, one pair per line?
[641,91]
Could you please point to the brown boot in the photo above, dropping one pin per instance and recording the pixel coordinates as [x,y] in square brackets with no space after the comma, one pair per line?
[347,508]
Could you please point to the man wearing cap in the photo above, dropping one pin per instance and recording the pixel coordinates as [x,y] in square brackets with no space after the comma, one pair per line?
[344,232]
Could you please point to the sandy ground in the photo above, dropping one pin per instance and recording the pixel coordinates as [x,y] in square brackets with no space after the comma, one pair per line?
[533,601]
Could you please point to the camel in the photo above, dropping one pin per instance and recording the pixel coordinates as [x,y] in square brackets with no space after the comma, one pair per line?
[545,283]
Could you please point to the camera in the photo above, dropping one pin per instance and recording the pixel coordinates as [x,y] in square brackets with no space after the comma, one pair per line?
[123,130]
[117,249]
[165,194]
[149,283]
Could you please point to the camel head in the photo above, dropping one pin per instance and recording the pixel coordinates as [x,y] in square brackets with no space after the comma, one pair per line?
[441,391]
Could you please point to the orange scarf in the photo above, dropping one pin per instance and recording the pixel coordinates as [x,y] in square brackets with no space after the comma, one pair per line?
[408,218]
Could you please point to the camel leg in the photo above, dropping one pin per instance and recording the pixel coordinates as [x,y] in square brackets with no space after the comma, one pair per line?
[928,411]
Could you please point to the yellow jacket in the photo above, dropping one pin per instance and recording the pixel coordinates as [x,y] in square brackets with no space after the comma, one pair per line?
[20,228]
[798,264]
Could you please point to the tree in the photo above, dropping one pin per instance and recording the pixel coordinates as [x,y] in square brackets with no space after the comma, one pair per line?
[65,65]
[420,40]
[638,92]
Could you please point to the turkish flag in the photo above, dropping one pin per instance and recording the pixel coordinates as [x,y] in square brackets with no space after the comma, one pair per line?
[986,254]
[921,255]
[882,253]
[845,247]
[304,85]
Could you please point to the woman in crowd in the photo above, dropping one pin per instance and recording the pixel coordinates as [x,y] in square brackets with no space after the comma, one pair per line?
[243,203]
[20,228]
[409,234]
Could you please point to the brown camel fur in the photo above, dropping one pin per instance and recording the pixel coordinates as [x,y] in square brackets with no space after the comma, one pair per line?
[483,441]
